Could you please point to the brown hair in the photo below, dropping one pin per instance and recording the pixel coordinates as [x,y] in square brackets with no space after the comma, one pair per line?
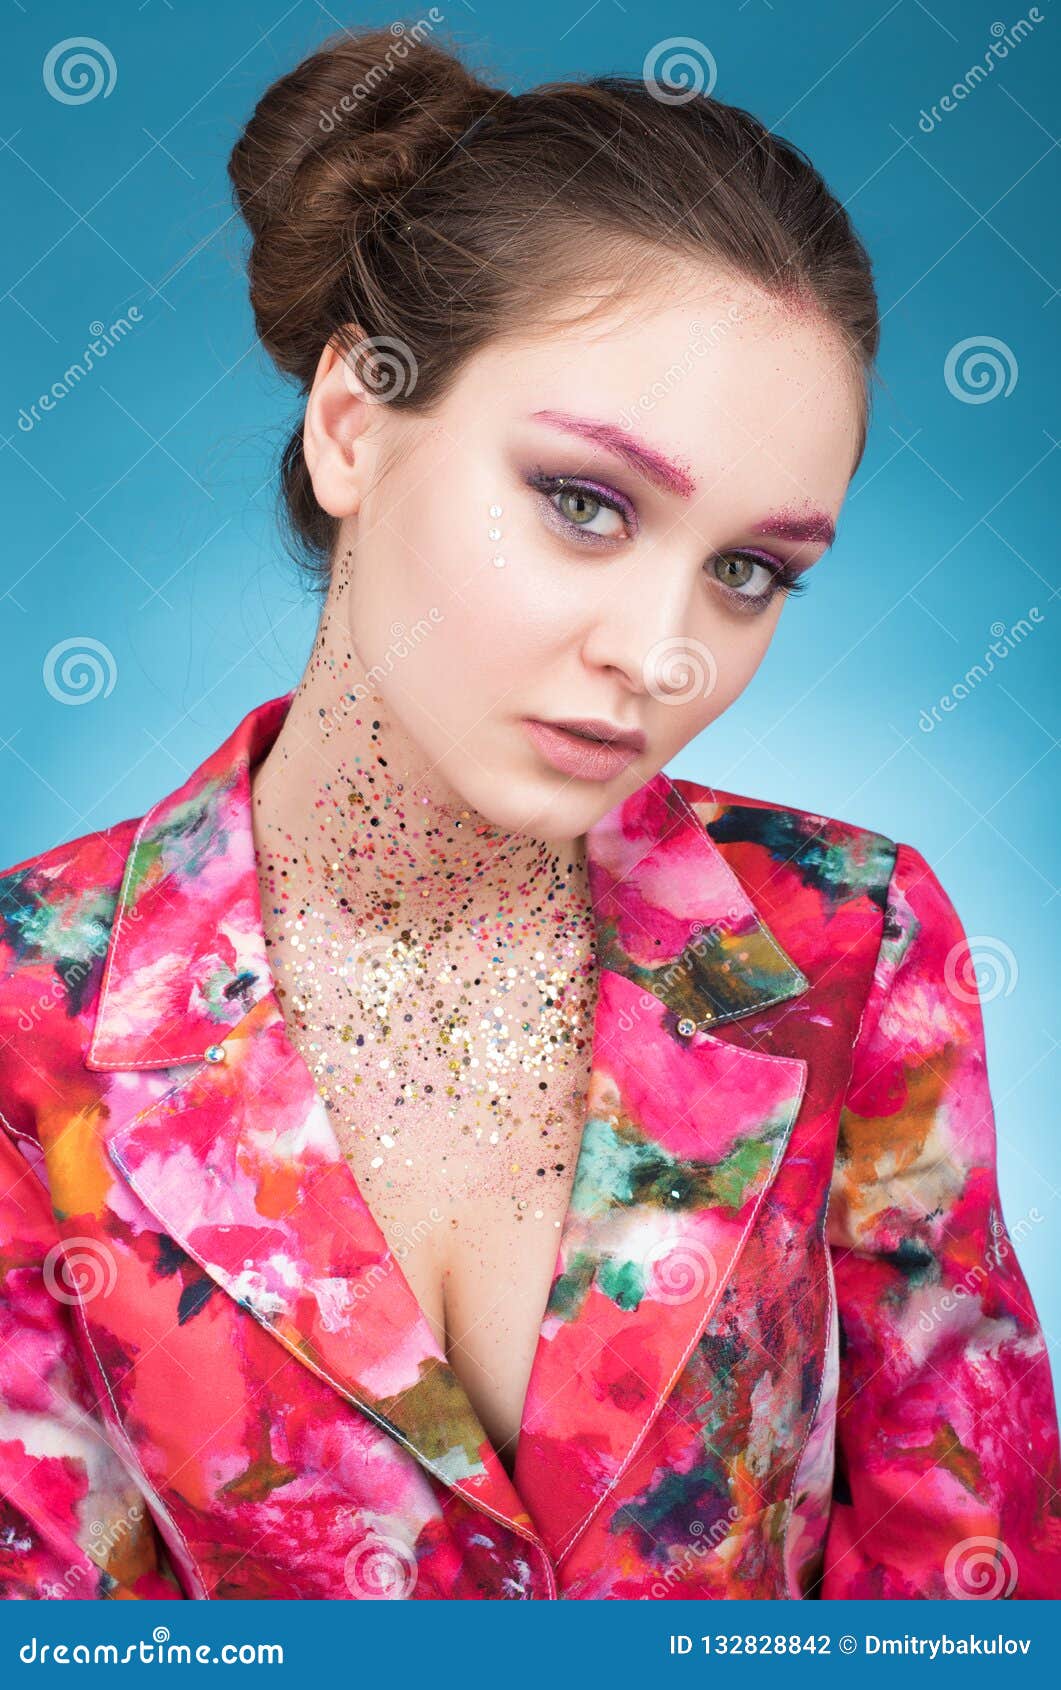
[394,196]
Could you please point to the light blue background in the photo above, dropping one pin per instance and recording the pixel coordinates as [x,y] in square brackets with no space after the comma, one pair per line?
[139,512]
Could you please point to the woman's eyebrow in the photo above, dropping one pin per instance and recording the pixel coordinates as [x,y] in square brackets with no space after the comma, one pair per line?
[812,528]
[652,464]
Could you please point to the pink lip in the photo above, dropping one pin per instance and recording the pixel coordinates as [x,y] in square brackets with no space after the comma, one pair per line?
[594,727]
[586,759]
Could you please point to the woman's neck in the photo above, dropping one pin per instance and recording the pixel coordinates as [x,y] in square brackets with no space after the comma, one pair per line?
[348,812]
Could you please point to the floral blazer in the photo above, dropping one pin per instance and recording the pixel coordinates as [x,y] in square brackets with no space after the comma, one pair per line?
[788,1351]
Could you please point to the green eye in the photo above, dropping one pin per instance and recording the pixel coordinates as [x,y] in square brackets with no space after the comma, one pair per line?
[753,581]
[735,569]
[584,509]
[574,504]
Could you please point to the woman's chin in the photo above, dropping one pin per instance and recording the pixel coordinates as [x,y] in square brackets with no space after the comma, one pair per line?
[552,807]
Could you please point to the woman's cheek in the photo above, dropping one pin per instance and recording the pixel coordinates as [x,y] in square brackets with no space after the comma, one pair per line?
[709,672]
[525,604]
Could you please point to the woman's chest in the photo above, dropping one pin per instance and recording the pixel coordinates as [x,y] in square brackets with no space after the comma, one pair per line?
[461,1122]
[237,1428]
[473,1222]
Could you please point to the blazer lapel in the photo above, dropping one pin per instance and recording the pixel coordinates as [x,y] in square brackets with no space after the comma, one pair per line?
[234,1153]
[240,1165]
[237,1158]
[684,1134]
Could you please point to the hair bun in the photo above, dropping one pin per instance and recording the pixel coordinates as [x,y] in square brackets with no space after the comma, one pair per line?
[409,215]
[355,125]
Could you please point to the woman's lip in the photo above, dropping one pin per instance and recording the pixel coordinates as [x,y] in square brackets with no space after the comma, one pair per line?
[586,759]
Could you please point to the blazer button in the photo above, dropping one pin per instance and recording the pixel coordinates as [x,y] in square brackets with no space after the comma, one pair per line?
[214,1053]
[686,1027]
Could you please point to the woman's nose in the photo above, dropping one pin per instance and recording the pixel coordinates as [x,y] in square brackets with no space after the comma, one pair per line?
[643,629]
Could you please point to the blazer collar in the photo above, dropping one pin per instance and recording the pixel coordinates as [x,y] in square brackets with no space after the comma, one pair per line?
[237,1159]
[187,955]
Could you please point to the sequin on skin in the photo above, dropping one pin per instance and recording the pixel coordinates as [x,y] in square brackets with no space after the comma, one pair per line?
[438,976]
[380,1013]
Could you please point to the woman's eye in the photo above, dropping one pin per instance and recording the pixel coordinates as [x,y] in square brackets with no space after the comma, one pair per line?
[591,513]
[585,507]
[586,511]
[744,574]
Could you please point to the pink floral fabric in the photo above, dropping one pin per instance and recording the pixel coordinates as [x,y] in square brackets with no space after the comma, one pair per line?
[788,1351]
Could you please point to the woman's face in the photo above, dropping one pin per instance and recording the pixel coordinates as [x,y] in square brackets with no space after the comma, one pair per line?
[597,523]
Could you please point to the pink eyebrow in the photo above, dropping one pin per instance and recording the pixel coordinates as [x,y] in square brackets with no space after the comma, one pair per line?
[815,528]
[651,463]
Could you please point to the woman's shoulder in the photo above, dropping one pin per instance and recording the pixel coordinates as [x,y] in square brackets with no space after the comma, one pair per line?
[53,891]
[733,815]
[783,852]
[57,911]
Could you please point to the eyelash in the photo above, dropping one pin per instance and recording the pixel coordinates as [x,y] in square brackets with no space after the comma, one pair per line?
[784,577]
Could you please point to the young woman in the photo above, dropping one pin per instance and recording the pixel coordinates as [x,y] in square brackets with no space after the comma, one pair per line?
[444,1155]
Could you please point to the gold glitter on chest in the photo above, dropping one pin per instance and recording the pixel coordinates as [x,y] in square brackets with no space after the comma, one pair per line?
[459,1055]
[437,973]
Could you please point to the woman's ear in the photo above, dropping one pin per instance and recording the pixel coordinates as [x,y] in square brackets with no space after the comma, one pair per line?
[338,441]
